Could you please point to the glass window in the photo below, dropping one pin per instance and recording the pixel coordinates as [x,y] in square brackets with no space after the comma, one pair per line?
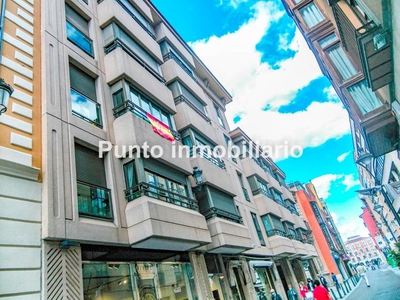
[258,229]
[328,40]
[267,223]
[78,30]
[311,15]
[341,62]
[264,189]
[137,15]
[364,97]
[83,97]
[219,116]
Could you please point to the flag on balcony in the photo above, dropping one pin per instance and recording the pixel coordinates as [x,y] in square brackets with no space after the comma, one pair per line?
[160,128]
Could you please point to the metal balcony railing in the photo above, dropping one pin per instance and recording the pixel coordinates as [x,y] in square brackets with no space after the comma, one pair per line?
[207,154]
[146,189]
[94,201]
[219,213]
[171,55]
[273,232]
[182,98]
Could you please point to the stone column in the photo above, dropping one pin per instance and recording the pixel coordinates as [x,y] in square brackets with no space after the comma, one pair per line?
[290,276]
[301,274]
[250,290]
[201,276]
[278,283]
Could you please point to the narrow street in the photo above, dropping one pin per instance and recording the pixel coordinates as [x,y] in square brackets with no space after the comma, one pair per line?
[385,284]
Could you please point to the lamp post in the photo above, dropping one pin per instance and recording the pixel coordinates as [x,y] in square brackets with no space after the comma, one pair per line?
[379,209]
[198,178]
[5,92]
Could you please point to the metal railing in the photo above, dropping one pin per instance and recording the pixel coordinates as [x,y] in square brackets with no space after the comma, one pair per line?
[171,55]
[128,105]
[146,189]
[94,201]
[207,154]
[78,113]
[273,232]
[219,213]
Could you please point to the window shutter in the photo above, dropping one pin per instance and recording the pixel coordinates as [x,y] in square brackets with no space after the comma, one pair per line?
[89,167]
[77,20]
[82,83]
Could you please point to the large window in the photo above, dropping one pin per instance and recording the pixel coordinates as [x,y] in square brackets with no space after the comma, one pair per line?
[341,62]
[311,15]
[169,52]
[264,189]
[258,229]
[83,96]
[78,30]
[137,16]
[219,116]
[94,199]
[364,97]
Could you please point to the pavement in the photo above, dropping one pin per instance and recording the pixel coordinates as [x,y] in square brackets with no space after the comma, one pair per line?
[384,284]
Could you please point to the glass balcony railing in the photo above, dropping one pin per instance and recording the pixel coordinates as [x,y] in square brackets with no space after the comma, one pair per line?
[94,201]
[86,109]
[79,39]
[146,189]
[219,213]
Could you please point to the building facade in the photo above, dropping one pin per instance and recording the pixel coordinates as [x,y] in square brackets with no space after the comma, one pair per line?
[362,250]
[355,43]
[20,151]
[114,186]
[327,239]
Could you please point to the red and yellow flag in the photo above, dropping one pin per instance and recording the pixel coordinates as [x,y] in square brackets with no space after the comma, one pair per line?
[160,128]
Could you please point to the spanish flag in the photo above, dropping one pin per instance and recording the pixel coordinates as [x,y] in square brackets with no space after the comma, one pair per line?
[160,128]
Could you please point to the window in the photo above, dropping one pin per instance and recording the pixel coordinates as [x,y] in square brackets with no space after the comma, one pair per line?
[258,229]
[219,116]
[94,199]
[83,97]
[328,40]
[169,52]
[394,174]
[228,141]
[311,15]
[341,62]
[264,189]
[245,193]
[137,16]
[78,30]
[364,97]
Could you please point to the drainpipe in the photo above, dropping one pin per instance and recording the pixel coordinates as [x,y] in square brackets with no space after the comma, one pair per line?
[2,16]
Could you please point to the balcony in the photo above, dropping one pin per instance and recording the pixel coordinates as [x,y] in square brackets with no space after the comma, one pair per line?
[301,249]
[251,167]
[228,234]
[86,109]
[286,214]
[206,153]
[266,205]
[164,225]
[133,131]
[280,245]
[119,63]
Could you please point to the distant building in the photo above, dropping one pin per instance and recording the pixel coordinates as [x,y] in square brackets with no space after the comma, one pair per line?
[362,250]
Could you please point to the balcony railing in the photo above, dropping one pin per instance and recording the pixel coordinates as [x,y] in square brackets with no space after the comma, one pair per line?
[79,39]
[135,18]
[94,201]
[219,213]
[294,237]
[85,108]
[207,154]
[182,98]
[128,105]
[153,191]
[264,192]
[273,232]
[119,43]
[293,209]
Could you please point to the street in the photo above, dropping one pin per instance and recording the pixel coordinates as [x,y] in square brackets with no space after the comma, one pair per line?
[385,284]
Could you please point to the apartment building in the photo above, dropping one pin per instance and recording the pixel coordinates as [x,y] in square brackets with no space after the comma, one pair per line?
[354,42]
[362,250]
[20,150]
[327,239]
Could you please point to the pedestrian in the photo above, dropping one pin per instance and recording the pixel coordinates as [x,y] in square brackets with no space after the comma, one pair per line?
[363,273]
[275,296]
[323,281]
[304,292]
[321,293]
[335,280]
[310,284]
[292,294]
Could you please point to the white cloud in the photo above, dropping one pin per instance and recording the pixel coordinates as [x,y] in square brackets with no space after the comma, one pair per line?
[233,3]
[324,183]
[234,60]
[343,156]
[348,228]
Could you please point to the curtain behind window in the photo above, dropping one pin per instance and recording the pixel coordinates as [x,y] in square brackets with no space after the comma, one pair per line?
[311,15]
[364,97]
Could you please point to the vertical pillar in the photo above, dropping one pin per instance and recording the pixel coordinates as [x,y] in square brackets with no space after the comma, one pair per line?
[278,283]
[201,276]
[289,273]
[250,291]
[226,281]
[301,274]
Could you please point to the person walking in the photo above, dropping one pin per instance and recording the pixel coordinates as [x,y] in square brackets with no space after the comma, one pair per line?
[335,280]
[310,284]
[304,292]
[321,293]
[275,296]
[292,294]
[323,281]
[363,273]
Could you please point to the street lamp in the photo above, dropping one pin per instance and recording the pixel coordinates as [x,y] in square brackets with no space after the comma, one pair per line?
[5,92]
[198,178]
[379,209]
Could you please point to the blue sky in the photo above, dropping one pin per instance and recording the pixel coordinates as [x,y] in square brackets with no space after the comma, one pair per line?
[280,95]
